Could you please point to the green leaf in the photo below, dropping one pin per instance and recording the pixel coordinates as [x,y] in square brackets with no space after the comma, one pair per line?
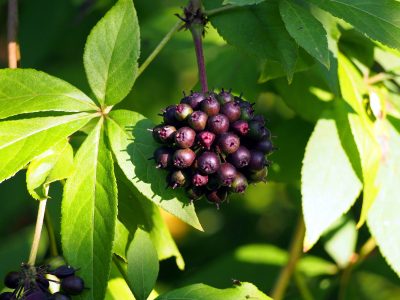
[306,30]
[383,217]
[329,184]
[377,19]
[111,53]
[244,290]
[341,241]
[136,211]
[52,165]
[142,265]
[242,2]
[89,212]
[258,30]
[133,145]
[23,140]
[26,90]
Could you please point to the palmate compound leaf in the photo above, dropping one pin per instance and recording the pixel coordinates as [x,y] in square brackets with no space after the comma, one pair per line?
[383,216]
[329,185]
[243,290]
[89,212]
[22,140]
[27,90]
[111,53]
[133,145]
[143,265]
[54,164]
[379,20]
[257,30]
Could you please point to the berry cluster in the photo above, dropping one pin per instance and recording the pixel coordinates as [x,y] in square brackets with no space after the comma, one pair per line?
[31,283]
[213,144]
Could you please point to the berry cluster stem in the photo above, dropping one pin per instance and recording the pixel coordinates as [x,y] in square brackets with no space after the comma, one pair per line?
[38,232]
[12,32]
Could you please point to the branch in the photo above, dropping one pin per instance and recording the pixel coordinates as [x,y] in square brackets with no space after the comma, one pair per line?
[38,232]
[12,32]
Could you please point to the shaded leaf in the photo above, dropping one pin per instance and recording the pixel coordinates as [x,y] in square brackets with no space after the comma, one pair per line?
[52,165]
[133,145]
[27,90]
[244,290]
[142,265]
[23,140]
[89,212]
[111,53]
[306,30]
[329,184]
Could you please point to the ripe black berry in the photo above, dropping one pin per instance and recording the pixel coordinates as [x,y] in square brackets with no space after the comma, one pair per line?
[228,142]
[206,139]
[12,280]
[265,146]
[231,110]
[257,130]
[177,179]
[36,295]
[72,285]
[218,124]
[225,97]
[163,158]
[240,158]
[210,106]
[184,137]
[257,160]
[198,120]
[164,133]
[195,192]
[6,296]
[246,111]
[194,100]
[182,111]
[241,127]
[217,196]
[199,179]
[169,115]
[208,162]
[226,174]
[61,296]
[183,158]
[239,183]
[65,271]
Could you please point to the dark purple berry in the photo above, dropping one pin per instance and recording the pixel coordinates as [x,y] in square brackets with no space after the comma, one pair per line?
[246,110]
[198,120]
[225,97]
[184,137]
[239,183]
[259,118]
[42,282]
[177,179]
[61,296]
[183,158]
[163,158]
[257,160]
[208,162]
[258,176]
[217,196]
[206,139]
[65,271]
[240,158]
[6,296]
[265,146]
[195,193]
[210,106]
[182,111]
[35,295]
[218,124]
[199,179]
[228,142]
[72,285]
[257,130]
[231,110]
[241,127]
[194,100]
[169,115]
[12,280]
[226,174]
[164,133]
[213,183]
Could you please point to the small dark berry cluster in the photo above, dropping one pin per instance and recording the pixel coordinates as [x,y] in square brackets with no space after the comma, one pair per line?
[31,283]
[213,144]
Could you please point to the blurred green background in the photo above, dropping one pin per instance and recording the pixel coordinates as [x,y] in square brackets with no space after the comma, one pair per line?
[245,240]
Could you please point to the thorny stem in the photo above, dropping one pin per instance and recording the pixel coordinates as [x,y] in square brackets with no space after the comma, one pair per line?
[38,232]
[50,230]
[295,252]
[220,10]
[159,47]
[12,32]
[365,251]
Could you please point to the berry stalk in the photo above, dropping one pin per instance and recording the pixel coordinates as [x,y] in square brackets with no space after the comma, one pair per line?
[198,45]
[38,232]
